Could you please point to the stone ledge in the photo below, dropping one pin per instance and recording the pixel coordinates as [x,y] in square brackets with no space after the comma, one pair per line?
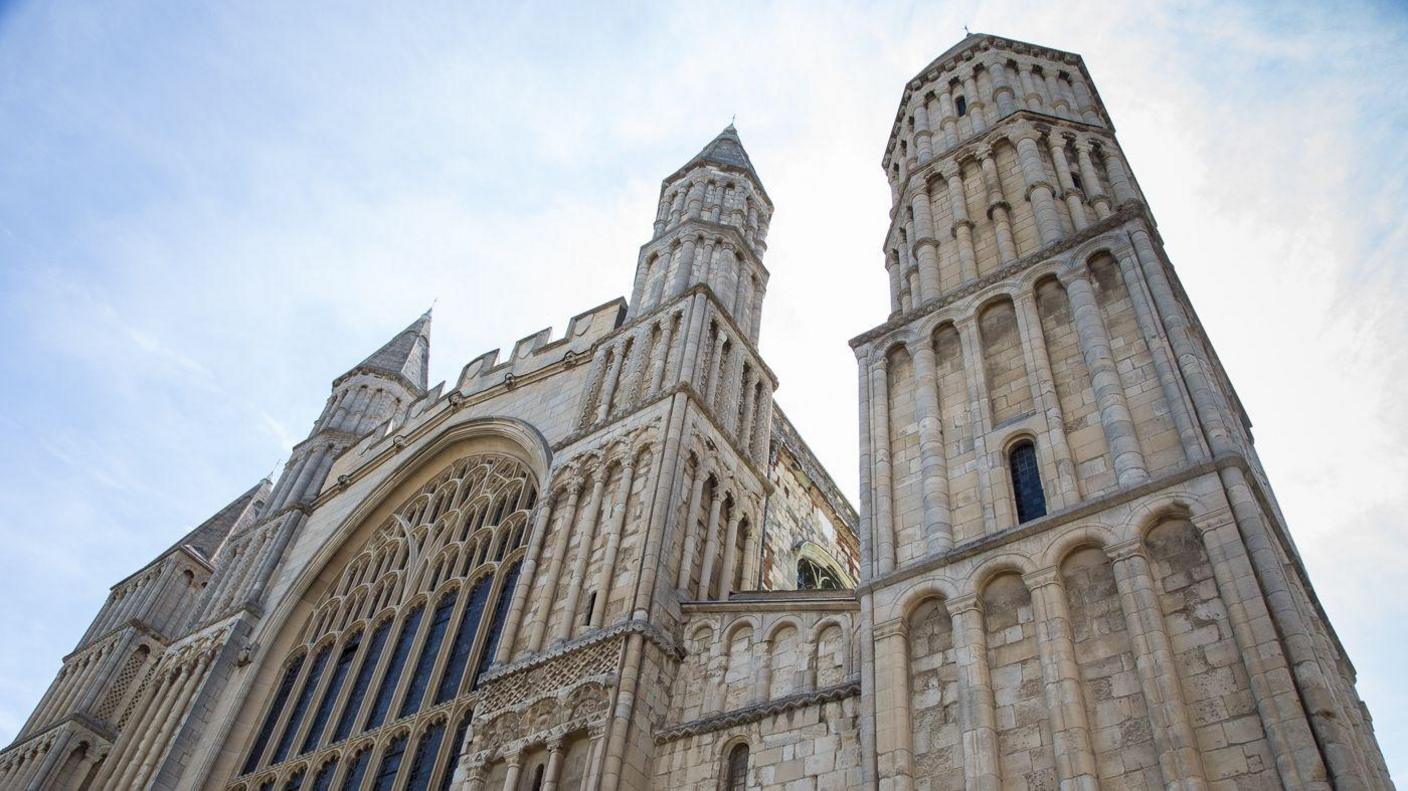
[728,719]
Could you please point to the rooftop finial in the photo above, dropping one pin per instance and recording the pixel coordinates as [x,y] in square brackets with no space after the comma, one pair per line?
[966,32]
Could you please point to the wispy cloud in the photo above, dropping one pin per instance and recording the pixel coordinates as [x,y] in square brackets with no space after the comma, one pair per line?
[210,213]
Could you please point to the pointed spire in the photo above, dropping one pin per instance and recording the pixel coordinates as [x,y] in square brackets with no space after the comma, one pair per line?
[406,356]
[726,149]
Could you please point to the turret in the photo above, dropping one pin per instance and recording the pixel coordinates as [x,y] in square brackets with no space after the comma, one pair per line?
[711,227]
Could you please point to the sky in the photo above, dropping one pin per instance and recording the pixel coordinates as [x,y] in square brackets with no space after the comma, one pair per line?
[210,210]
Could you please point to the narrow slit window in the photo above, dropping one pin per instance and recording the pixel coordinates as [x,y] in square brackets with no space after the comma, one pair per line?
[960,105]
[736,773]
[1026,482]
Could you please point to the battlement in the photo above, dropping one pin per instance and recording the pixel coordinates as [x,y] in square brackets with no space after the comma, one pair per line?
[538,350]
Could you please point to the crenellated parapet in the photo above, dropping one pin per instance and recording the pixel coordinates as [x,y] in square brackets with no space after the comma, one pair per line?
[540,350]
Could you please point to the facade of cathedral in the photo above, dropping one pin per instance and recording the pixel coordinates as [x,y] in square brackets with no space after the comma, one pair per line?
[609,562]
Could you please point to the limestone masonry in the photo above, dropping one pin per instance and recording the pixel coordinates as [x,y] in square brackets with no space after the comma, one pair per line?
[608,561]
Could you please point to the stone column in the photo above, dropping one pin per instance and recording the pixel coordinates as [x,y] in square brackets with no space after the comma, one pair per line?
[962,226]
[554,572]
[1045,396]
[526,578]
[1179,759]
[925,245]
[880,431]
[1120,182]
[976,710]
[711,544]
[1174,397]
[975,103]
[728,574]
[1039,192]
[923,135]
[515,765]
[1002,93]
[613,539]
[691,537]
[684,266]
[949,122]
[608,386]
[998,209]
[979,414]
[1031,98]
[1075,204]
[1059,104]
[762,685]
[1065,705]
[554,767]
[1085,103]
[894,734]
[745,436]
[1093,188]
[933,457]
[892,268]
[587,529]
[1115,418]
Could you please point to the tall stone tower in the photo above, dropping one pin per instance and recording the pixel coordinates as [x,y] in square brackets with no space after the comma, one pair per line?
[1075,571]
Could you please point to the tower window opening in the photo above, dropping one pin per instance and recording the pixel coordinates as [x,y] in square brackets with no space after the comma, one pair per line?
[736,772]
[960,104]
[1026,482]
[812,576]
[591,608]
[1075,180]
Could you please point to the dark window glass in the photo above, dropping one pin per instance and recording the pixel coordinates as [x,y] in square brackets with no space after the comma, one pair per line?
[364,680]
[961,105]
[538,778]
[455,744]
[275,710]
[738,768]
[382,703]
[811,576]
[1026,482]
[294,783]
[429,652]
[357,772]
[423,763]
[1077,183]
[323,782]
[496,627]
[390,765]
[464,641]
[339,675]
[267,785]
[301,704]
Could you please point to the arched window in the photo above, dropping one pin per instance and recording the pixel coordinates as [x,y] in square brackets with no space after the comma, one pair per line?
[960,105]
[1026,482]
[294,783]
[276,710]
[357,772]
[464,641]
[348,675]
[423,763]
[736,771]
[300,706]
[363,682]
[429,652]
[381,704]
[813,576]
[390,765]
[323,781]
[324,712]
[496,627]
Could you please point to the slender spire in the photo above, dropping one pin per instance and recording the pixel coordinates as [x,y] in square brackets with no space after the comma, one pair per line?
[726,151]
[406,356]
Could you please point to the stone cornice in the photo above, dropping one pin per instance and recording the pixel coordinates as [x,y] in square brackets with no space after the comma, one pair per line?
[806,601]
[728,719]
[1127,211]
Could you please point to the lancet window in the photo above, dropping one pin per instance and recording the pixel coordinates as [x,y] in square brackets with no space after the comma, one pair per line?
[386,655]
[1026,482]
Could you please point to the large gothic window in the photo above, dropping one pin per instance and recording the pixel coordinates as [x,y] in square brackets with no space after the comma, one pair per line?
[385,659]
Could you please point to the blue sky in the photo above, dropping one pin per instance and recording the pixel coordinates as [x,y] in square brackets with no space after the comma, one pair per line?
[210,210]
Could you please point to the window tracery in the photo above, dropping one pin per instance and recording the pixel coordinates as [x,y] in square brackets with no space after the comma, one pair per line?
[394,637]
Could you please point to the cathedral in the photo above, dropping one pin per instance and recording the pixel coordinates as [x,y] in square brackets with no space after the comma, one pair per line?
[608,561]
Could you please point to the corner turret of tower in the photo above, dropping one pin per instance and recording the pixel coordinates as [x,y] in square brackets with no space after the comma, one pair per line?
[711,226]
[405,357]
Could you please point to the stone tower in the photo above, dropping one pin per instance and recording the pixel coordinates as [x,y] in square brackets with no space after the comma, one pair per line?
[1075,571]
[608,561]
